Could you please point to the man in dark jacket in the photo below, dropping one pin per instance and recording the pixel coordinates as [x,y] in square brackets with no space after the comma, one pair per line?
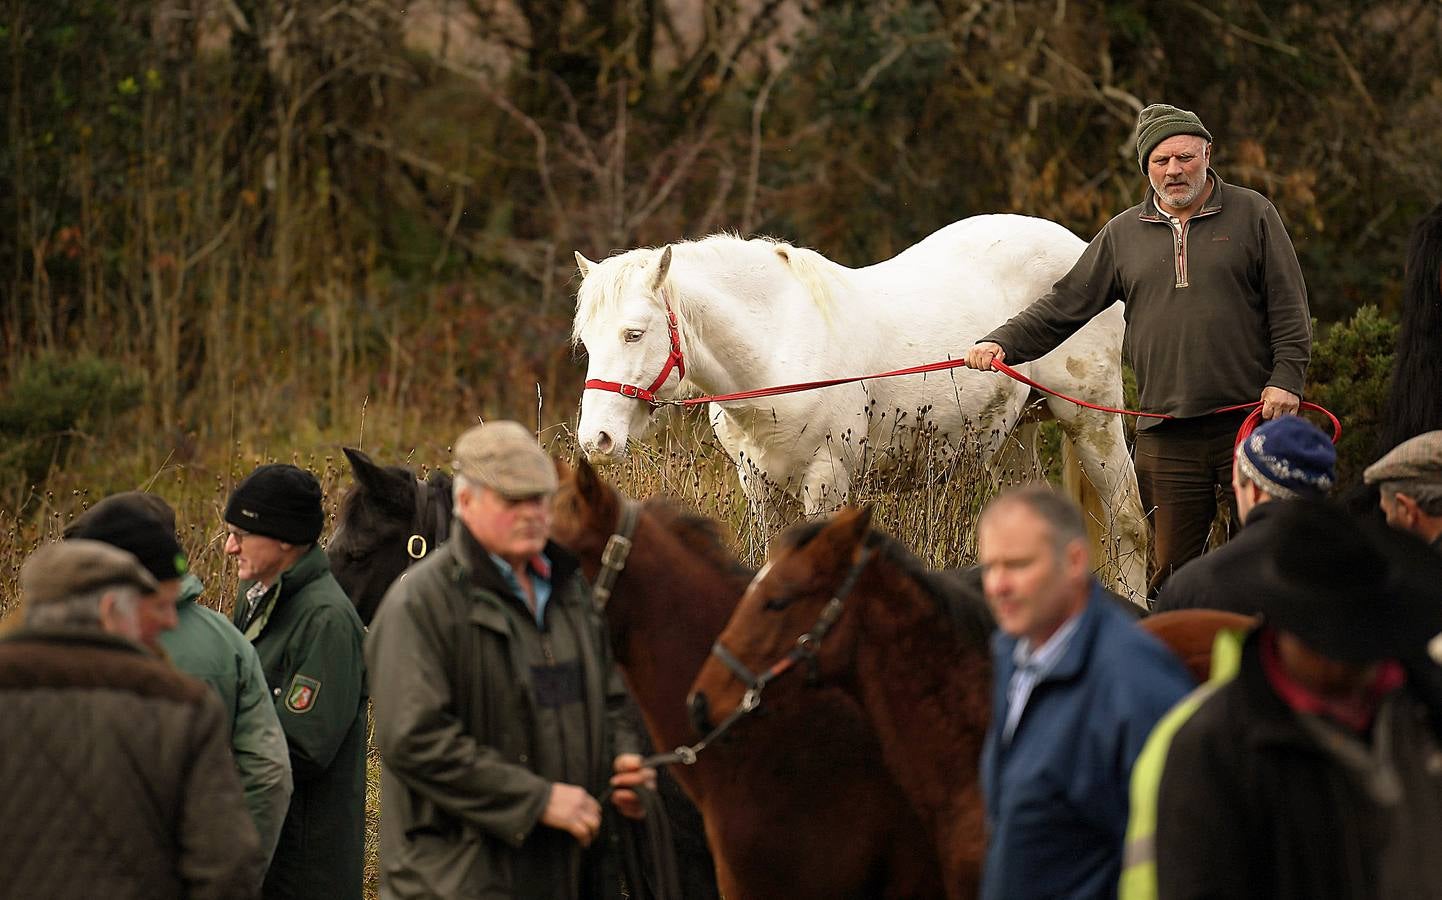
[1216,313]
[203,644]
[1409,480]
[496,700]
[1077,688]
[1283,459]
[309,639]
[1308,765]
[116,779]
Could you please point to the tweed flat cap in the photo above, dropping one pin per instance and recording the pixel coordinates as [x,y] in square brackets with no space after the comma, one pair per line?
[505,457]
[69,568]
[1158,122]
[1415,459]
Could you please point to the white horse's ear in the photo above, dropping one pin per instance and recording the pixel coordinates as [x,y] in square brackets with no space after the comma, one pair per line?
[784,251]
[583,264]
[662,268]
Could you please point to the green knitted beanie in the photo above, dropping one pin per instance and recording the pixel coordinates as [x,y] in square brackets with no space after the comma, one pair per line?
[1158,122]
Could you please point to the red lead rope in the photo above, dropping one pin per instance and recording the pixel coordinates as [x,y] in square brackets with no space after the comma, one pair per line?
[648,396]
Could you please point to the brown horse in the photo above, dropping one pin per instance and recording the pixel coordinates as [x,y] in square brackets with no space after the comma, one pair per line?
[910,646]
[785,818]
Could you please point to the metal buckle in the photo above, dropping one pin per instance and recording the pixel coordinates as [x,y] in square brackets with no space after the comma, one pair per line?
[628,390]
[411,547]
[618,547]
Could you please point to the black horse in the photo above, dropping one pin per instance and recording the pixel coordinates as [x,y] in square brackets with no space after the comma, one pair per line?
[388,521]
[391,519]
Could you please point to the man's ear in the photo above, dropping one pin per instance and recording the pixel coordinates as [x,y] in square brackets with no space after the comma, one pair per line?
[1411,511]
[1078,558]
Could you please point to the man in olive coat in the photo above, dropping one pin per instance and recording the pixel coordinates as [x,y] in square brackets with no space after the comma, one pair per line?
[202,644]
[496,697]
[309,639]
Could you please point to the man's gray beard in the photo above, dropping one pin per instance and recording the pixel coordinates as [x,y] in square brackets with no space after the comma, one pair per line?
[1166,202]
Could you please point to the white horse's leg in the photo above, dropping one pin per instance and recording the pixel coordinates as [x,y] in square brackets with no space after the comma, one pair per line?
[1007,449]
[825,485]
[1099,442]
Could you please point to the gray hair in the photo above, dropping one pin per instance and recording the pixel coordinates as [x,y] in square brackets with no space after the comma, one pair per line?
[1062,516]
[1428,494]
[82,611]
[460,483]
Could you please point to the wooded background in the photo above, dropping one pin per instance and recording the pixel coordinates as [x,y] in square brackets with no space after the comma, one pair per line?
[259,224]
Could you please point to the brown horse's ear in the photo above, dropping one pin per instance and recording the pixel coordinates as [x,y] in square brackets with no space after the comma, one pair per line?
[589,486]
[563,471]
[844,534]
[367,473]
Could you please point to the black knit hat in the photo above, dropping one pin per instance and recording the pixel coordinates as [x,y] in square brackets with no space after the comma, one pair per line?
[1351,589]
[131,522]
[278,501]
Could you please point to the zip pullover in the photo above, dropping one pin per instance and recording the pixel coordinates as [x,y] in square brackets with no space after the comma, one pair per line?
[1216,307]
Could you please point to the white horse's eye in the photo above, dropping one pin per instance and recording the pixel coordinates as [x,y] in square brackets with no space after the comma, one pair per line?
[634,334]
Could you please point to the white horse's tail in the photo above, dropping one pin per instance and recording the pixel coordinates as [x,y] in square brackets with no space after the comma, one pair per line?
[1115,572]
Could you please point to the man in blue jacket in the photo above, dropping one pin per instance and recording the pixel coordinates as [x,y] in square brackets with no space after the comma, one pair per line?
[1077,690]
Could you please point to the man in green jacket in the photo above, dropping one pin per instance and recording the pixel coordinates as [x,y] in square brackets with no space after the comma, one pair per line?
[309,640]
[496,698]
[205,645]
[1216,315]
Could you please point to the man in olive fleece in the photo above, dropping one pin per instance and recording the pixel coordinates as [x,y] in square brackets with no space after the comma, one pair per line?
[309,638]
[497,705]
[1216,313]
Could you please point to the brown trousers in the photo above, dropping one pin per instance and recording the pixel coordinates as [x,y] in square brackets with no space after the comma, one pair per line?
[1181,465]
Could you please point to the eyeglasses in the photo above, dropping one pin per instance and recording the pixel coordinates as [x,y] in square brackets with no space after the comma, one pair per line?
[239,535]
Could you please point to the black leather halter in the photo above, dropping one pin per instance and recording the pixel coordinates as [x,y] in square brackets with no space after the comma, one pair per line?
[618,550]
[427,507]
[807,645]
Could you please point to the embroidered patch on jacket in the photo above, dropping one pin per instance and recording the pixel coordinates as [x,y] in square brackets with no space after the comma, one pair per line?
[1220,237]
[301,696]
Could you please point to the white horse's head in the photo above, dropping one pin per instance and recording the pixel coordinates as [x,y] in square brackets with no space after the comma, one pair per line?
[621,318]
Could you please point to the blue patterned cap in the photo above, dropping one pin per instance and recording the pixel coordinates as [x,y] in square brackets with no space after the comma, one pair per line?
[1289,457]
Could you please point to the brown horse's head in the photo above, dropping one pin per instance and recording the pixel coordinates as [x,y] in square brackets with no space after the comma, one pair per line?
[584,511]
[809,565]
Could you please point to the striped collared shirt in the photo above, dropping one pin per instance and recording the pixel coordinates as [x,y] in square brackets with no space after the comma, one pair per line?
[1032,666]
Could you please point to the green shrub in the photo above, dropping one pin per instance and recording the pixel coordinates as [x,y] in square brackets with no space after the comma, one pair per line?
[52,400]
[1349,374]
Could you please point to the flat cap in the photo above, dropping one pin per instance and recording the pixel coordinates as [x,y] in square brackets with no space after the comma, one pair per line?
[1415,459]
[505,457]
[73,567]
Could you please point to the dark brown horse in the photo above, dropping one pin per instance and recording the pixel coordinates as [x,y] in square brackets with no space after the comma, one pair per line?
[786,818]
[910,645]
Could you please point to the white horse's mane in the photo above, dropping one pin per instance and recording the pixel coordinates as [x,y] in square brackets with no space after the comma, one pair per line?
[606,282]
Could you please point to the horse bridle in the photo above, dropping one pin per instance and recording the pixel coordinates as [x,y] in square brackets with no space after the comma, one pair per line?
[416,545]
[674,360]
[805,649]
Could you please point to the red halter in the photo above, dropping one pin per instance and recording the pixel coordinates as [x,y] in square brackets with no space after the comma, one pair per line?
[673,361]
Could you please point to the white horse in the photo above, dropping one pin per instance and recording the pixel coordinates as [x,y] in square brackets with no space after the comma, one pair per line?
[723,314]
